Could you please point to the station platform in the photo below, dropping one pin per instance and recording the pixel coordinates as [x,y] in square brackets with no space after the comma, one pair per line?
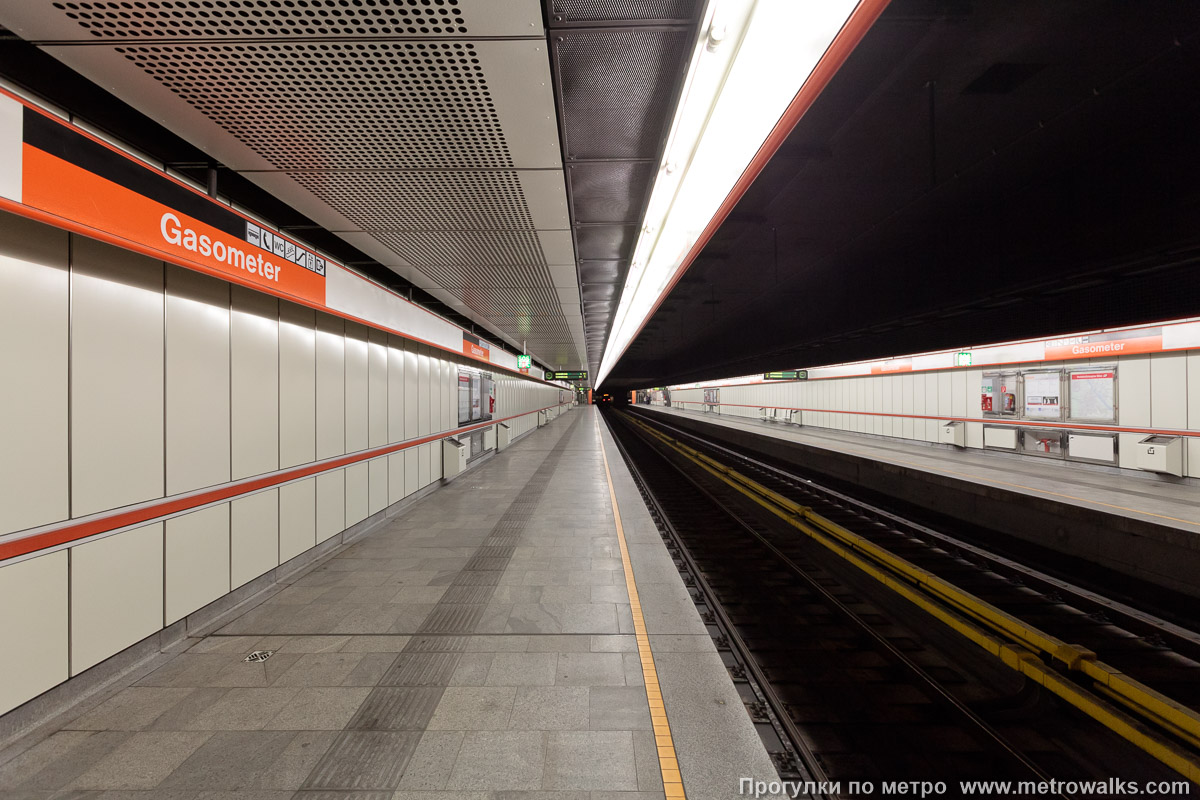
[507,636]
[1140,525]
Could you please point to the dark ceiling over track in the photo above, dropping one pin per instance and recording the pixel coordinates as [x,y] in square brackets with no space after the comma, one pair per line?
[977,171]
[617,68]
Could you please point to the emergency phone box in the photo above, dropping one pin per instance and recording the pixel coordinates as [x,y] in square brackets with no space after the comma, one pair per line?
[1160,454]
[954,433]
[454,457]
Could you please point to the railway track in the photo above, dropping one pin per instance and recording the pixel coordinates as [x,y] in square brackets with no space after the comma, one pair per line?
[985,669]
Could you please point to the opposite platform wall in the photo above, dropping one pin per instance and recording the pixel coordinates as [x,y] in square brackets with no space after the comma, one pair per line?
[128,380]
[1157,390]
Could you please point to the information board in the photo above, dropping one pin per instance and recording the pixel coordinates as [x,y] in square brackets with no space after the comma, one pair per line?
[1043,395]
[1093,396]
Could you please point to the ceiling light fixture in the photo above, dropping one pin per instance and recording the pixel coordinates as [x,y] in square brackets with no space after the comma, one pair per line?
[745,84]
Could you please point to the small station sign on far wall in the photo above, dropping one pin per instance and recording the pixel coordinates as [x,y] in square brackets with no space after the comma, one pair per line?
[786,375]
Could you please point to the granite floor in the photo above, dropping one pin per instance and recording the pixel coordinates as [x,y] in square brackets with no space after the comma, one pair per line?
[479,646]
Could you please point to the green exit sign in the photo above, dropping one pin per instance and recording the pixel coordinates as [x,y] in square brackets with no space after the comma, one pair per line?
[963,359]
[524,362]
[787,375]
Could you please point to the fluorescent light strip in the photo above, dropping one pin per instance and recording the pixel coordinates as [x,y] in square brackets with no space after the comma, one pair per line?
[751,60]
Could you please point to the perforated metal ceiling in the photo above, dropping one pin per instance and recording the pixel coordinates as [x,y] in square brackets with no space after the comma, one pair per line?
[618,64]
[422,131]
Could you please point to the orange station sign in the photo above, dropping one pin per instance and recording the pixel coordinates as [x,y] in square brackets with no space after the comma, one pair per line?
[70,175]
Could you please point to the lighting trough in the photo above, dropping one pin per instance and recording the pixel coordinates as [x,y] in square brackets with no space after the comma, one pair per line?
[756,67]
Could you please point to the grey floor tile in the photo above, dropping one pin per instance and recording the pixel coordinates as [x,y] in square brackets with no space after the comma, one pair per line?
[610,593]
[239,673]
[621,643]
[311,644]
[319,709]
[535,618]
[375,644]
[421,669]
[523,669]
[319,669]
[619,708]
[370,670]
[601,760]
[589,618]
[474,708]
[472,669]
[429,768]
[566,594]
[631,663]
[509,643]
[225,644]
[130,709]
[230,760]
[590,669]
[360,760]
[558,643]
[550,708]
[649,768]
[499,760]
[188,670]
[242,710]
[396,708]
[142,761]
[58,760]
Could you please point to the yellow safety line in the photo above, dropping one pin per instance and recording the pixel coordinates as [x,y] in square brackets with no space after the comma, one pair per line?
[668,763]
[980,622]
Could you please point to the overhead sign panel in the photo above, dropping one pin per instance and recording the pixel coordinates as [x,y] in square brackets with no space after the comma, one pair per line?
[476,348]
[566,376]
[75,177]
[787,375]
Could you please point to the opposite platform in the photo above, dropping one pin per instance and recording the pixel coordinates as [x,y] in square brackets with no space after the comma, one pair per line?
[1084,510]
[480,645]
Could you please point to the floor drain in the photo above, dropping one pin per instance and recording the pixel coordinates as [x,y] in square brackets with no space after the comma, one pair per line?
[258,656]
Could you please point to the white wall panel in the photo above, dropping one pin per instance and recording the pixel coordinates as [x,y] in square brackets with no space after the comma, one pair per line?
[297,385]
[356,493]
[424,469]
[331,386]
[34,655]
[356,387]
[377,484]
[410,392]
[197,561]
[396,477]
[116,594]
[116,377]
[1169,390]
[1133,393]
[377,388]
[411,476]
[297,518]
[1193,395]
[34,304]
[331,504]
[254,527]
[958,393]
[254,363]
[198,432]
[423,390]
[395,390]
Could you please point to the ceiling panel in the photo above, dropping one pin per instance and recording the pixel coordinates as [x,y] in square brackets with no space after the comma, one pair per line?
[609,191]
[424,133]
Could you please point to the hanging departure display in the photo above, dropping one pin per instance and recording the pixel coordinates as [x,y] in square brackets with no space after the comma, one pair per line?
[566,376]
